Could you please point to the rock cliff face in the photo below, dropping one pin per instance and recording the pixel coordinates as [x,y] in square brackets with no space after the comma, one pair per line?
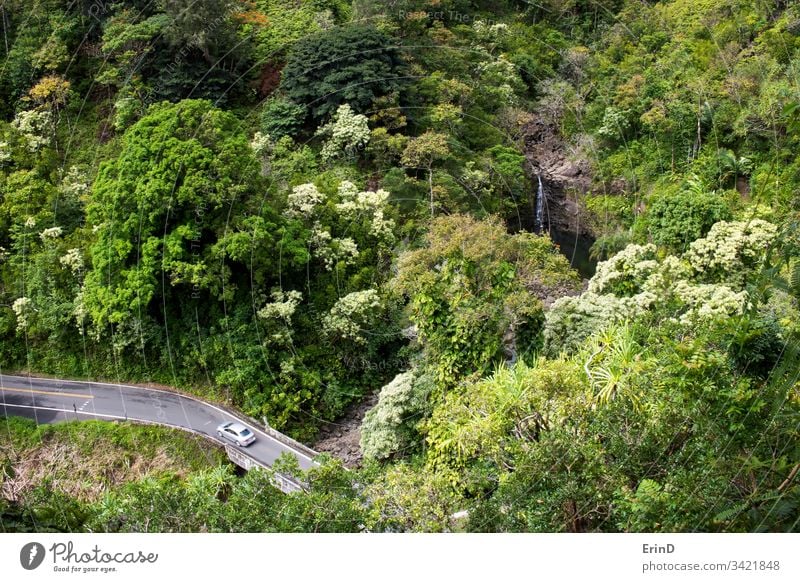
[563,180]
[546,153]
[343,437]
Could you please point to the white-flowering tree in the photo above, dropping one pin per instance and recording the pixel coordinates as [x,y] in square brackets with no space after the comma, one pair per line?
[389,427]
[707,283]
[346,134]
[73,261]
[353,316]
[731,250]
[51,233]
[278,314]
[625,272]
[571,320]
[5,153]
[488,33]
[35,126]
[330,250]
[263,146]
[75,183]
[22,308]
[362,214]
[303,201]
[709,301]
[368,204]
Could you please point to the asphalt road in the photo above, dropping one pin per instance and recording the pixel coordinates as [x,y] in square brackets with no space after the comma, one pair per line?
[51,400]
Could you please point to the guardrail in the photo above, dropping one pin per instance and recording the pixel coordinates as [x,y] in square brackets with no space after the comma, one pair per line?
[278,436]
[289,441]
[244,461]
[283,482]
[286,484]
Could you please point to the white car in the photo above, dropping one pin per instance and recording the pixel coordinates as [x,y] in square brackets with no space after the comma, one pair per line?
[236,432]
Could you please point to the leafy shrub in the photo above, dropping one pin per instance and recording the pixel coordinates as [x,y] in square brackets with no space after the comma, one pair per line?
[281,117]
[353,316]
[476,293]
[675,220]
[473,433]
[353,64]
[390,426]
[571,320]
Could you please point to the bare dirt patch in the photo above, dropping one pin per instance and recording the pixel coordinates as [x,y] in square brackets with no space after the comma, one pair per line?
[342,438]
[69,467]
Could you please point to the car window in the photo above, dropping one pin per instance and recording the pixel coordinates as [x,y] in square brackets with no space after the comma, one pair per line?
[245,432]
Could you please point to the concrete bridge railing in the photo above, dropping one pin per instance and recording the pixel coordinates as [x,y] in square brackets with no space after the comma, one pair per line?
[283,482]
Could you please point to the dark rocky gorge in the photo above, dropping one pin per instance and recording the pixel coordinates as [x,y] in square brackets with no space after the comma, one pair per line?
[557,183]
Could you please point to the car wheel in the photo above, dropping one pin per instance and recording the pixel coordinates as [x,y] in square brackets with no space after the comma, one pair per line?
[219,434]
[238,443]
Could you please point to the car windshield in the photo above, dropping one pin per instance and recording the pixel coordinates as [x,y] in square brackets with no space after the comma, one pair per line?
[244,432]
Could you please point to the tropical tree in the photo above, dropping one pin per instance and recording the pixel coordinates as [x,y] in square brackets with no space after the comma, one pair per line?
[475,293]
[353,64]
[161,215]
[423,152]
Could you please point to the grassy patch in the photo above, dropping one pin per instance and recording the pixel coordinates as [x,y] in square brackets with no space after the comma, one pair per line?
[85,459]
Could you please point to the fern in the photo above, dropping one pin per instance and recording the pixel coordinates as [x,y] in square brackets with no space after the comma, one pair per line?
[794,277]
[727,515]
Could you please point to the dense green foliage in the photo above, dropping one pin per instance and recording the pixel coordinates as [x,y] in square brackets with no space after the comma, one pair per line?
[183,172]
[289,206]
[475,292]
[52,476]
[352,64]
[678,219]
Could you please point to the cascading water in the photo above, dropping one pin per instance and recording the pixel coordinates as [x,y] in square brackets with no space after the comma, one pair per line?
[539,219]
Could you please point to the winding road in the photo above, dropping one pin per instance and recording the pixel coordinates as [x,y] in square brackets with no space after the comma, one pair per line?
[49,400]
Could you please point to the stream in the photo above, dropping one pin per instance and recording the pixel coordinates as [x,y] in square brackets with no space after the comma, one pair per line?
[574,246]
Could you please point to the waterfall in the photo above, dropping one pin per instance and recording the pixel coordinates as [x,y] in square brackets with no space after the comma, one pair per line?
[539,219]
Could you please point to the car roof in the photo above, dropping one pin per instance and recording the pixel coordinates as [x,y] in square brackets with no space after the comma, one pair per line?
[237,426]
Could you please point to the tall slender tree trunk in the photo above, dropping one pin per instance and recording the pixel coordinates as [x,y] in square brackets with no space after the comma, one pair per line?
[430,187]
[5,31]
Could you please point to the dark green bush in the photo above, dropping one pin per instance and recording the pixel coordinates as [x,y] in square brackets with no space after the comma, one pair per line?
[282,117]
[677,219]
[353,65]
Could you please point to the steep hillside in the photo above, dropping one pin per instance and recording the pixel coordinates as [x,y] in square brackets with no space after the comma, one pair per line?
[549,251]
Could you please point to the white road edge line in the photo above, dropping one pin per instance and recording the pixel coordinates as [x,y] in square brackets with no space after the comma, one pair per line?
[67,412]
[151,422]
[220,410]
